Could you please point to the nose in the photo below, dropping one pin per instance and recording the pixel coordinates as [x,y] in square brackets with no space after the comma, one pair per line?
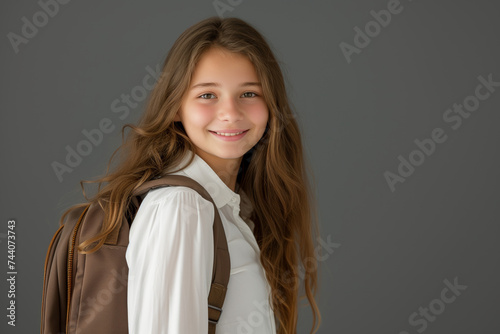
[229,110]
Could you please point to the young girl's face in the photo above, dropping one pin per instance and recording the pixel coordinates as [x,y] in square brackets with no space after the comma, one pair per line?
[225,96]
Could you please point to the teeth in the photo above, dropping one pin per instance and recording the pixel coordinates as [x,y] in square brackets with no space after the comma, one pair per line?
[229,134]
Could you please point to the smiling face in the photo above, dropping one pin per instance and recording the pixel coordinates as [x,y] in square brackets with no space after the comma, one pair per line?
[225,96]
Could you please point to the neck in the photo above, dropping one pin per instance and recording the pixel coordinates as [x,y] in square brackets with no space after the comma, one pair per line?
[226,169]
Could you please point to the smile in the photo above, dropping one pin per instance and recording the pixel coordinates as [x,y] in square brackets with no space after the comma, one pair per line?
[231,136]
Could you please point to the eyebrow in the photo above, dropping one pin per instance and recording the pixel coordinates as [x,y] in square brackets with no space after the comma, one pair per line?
[215,84]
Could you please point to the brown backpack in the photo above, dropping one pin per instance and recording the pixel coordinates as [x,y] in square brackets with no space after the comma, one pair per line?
[87,293]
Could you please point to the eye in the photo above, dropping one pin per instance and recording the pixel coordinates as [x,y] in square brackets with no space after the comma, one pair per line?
[204,96]
[246,94]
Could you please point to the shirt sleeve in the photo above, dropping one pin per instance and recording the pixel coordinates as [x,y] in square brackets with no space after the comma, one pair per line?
[170,259]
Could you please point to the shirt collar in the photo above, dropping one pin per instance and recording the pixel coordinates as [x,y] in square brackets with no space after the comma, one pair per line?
[201,172]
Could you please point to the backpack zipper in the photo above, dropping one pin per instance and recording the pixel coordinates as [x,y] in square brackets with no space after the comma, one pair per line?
[70,264]
[45,273]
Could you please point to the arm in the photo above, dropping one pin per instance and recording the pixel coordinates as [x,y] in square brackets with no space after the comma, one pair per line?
[170,259]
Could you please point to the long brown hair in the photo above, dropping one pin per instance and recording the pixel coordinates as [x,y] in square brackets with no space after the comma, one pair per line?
[273,173]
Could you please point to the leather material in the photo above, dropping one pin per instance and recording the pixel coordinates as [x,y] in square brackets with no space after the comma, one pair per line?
[87,293]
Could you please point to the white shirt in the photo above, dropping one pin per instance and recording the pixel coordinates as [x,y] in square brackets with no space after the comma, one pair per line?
[170,259]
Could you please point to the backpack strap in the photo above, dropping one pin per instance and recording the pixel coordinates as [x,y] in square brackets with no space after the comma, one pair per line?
[222,265]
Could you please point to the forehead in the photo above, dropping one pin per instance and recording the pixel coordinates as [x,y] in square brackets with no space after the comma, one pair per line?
[217,64]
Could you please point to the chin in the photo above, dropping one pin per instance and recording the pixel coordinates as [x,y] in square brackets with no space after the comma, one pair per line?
[230,154]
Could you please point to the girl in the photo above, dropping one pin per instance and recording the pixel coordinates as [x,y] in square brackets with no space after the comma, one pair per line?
[219,114]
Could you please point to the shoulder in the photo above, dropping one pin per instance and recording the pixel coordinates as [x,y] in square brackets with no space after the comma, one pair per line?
[166,194]
[176,198]
[173,224]
[169,210]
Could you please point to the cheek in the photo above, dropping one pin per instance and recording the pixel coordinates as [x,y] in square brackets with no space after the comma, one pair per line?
[259,114]
[198,115]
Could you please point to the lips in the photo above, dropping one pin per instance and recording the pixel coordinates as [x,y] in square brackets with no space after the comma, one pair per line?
[230,136]
[229,131]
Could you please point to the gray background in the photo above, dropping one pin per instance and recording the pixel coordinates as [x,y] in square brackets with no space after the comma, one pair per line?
[394,249]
